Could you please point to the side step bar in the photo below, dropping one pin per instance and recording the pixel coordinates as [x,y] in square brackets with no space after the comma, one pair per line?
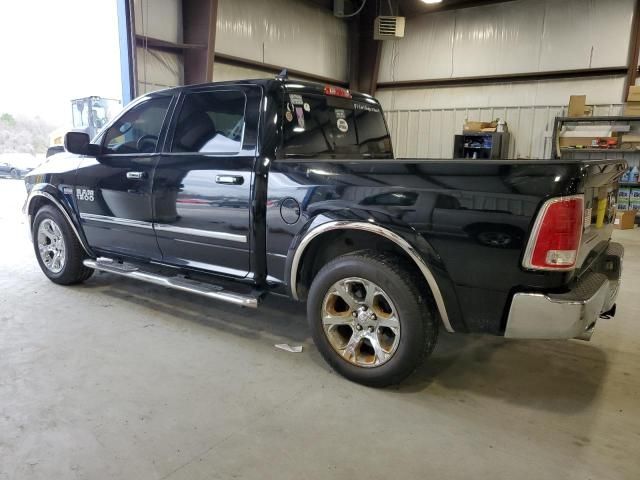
[177,283]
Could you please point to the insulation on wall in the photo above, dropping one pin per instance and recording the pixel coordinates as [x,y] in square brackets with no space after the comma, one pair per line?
[601,90]
[290,33]
[223,72]
[516,37]
[158,19]
[161,19]
[158,70]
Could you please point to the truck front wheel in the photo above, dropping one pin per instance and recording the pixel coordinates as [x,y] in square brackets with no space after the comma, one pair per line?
[57,249]
[369,319]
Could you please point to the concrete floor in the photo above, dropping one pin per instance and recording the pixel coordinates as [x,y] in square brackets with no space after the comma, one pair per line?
[118,379]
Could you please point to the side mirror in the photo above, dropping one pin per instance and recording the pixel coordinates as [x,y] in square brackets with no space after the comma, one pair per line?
[80,144]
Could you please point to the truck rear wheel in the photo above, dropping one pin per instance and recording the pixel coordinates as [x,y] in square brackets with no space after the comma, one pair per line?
[369,319]
[57,249]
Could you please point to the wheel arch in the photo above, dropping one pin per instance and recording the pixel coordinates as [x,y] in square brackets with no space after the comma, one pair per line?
[41,197]
[323,235]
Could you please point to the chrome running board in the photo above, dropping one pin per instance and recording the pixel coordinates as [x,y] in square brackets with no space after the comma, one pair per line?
[177,283]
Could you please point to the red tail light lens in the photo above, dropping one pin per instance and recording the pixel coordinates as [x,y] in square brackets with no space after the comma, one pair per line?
[556,235]
[337,91]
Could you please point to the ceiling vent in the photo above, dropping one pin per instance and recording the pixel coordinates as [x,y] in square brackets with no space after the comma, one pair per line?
[388,28]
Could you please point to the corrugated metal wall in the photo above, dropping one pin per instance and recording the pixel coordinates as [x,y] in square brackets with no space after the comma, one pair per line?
[429,133]
[522,36]
[161,19]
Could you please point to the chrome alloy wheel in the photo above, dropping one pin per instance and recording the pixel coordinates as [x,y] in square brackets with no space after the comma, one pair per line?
[360,322]
[51,245]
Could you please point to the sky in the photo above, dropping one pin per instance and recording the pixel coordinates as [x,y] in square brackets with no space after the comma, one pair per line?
[54,50]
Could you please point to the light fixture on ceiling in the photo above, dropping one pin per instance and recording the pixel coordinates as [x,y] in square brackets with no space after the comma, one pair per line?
[431,2]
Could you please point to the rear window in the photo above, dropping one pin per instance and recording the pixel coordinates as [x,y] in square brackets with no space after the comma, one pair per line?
[317,125]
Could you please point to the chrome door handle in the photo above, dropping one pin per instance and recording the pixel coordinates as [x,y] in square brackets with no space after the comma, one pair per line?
[230,179]
[136,175]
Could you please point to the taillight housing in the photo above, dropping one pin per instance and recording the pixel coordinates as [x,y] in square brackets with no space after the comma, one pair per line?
[337,91]
[556,235]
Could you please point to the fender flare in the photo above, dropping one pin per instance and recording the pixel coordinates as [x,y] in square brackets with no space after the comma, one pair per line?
[383,232]
[58,204]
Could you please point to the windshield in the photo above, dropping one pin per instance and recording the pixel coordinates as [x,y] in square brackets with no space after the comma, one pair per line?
[316,125]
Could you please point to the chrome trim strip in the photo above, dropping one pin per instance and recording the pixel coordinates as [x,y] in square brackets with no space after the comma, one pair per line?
[52,199]
[128,222]
[232,237]
[378,230]
[176,283]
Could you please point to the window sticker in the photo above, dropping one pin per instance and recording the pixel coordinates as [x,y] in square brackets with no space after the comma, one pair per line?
[300,115]
[296,99]
[364,106]
[340,113]
[342,125]
[306,107]
[288,116]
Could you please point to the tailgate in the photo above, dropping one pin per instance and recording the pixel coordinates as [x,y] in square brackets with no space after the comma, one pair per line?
[600,188]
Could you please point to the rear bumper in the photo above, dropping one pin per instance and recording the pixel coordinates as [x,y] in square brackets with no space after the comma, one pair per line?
[572,314]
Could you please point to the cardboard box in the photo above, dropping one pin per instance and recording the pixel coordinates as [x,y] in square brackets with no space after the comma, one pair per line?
[588,142]
[577,105]
[634,93]
[631,109]
[472,126]
[630,138]
[585,142]
[630,146]
[625,220]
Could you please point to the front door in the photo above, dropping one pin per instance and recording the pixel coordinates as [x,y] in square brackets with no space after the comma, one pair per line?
[202,184]
[113,191]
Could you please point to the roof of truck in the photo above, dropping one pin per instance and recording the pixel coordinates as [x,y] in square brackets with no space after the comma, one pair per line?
[267,83]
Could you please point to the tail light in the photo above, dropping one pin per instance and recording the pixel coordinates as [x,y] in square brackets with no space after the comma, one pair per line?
[556,235]
[337,91]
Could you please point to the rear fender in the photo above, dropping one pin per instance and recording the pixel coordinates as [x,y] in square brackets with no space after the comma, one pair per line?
[413,244]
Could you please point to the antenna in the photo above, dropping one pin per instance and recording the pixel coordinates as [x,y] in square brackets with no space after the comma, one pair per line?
[283,75]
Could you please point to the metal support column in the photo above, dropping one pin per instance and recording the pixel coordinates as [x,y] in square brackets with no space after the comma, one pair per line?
[127,40]
[634,51]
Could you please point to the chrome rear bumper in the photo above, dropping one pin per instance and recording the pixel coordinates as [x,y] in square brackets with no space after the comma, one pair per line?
[572,314]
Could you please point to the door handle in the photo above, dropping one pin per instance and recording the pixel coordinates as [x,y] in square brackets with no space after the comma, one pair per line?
[230,179]
[136,175]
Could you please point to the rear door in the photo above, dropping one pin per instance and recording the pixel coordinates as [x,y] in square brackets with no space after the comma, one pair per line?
[202,189]
[113,191]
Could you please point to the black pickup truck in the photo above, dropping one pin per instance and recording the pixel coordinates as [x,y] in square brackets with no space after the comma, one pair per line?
[240,189]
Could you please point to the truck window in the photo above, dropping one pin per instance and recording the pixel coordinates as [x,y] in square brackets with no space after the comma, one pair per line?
[210,122]
[316,125]
[138,129]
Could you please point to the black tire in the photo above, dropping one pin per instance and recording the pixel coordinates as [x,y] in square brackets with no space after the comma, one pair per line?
[73,270]
[418,324]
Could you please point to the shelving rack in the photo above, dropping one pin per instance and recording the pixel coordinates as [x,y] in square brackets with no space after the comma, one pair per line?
[557,152]
[494,145]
